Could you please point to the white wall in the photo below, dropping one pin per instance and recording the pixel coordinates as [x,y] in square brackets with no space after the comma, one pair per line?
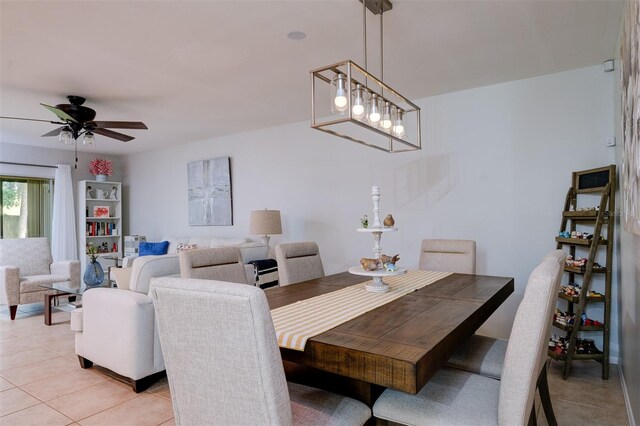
[628,301]
[495,168]
[50,157]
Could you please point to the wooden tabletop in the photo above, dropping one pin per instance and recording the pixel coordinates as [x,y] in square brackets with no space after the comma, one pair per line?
[402,344]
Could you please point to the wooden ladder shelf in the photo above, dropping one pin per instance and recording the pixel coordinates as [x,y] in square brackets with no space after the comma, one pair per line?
[594,181]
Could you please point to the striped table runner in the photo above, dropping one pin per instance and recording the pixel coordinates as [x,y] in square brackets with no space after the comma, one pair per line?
[297,322]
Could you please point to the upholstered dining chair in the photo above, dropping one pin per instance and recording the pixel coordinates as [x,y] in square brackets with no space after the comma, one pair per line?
[25,265]
[298,262]
[448,256]
[485,355]
[224,365]
[459,397]
[221,263]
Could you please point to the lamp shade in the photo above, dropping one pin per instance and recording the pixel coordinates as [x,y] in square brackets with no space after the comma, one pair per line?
[265,222]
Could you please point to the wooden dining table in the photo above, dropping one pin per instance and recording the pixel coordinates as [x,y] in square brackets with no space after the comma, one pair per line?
[400,345]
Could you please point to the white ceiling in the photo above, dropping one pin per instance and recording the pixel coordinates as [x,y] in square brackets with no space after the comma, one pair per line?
[194,70]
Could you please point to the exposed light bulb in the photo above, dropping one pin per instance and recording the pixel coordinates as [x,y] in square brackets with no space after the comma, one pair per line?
[340,94]
[398,125]
[385,121]
[374,110]
[359,103]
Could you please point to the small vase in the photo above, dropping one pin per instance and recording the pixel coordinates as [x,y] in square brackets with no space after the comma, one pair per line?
[93,275]
[101,178]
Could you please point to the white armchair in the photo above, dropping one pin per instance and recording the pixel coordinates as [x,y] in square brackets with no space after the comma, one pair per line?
[116,327]
[25,265]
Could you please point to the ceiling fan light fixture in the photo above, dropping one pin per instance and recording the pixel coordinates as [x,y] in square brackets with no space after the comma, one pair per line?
[88,139]
[66,136]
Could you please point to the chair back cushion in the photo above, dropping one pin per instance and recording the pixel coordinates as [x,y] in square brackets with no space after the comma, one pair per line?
[31,255]
[221,264]
[298,262]
[220,350]
[448,256]
[528,341]
[146,267]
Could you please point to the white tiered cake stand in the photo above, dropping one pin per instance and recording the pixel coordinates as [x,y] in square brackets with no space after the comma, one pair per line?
[378,285]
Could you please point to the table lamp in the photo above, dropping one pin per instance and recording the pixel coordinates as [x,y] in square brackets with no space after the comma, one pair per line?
[265,222]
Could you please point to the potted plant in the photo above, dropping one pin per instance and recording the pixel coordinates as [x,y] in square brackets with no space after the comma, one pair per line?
[100,168]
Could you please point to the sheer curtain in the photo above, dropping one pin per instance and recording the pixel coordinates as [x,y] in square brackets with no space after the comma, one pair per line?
[63,223]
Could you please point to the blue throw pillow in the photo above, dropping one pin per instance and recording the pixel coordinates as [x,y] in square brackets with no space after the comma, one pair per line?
[147,249]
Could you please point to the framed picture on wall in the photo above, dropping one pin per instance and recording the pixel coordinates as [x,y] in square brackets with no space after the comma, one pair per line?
[101,211]
[209,192]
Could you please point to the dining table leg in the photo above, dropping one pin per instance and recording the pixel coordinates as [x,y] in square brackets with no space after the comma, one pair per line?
[356,389]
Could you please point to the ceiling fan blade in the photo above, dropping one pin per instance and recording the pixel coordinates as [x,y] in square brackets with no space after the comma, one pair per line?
[112,134]
[117,124]
[60,113]
[31,119]
[55,132]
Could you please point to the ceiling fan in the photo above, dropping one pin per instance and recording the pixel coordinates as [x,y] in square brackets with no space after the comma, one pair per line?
[77,120]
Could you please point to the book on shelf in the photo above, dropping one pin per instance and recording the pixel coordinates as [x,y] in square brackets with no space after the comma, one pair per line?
[101,229]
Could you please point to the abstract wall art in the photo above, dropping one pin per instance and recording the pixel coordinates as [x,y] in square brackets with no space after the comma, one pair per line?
[209,192]
[630,80]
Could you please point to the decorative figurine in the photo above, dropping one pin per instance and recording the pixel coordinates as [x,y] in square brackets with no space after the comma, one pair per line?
[386,260]
[369,264]
[364,222]
[89,194]
[388,221]
[390,267]
[113,195]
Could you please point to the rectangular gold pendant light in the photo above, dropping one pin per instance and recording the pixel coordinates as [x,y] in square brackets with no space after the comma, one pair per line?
[350,102]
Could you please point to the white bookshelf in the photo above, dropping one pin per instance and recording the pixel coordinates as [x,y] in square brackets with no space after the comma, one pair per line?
[99,230]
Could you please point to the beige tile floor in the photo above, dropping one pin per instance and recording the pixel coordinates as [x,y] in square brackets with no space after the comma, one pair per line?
[41,383]
[584,398]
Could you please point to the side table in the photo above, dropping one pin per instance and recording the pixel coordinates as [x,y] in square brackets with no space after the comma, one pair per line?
[116,264]
[63,289]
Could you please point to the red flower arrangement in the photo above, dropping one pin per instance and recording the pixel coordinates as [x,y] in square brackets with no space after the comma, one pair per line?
[99,166]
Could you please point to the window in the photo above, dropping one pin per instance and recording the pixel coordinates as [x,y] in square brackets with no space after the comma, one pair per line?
[27,205]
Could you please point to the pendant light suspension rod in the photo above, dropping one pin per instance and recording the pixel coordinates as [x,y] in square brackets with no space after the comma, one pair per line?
[364,36]
[381,45]
[364,33]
